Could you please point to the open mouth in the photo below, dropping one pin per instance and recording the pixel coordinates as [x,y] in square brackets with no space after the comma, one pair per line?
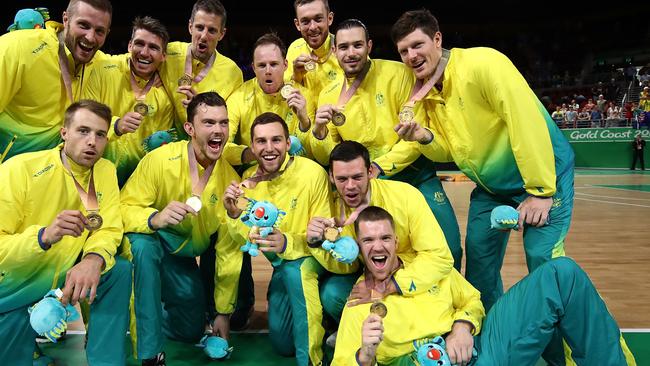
[89,154]
[215,144]
[379,261]
[86,47]
[144,62]
[270,157]
[202,47]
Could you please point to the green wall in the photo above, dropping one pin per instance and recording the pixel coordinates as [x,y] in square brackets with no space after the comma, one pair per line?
[606,147]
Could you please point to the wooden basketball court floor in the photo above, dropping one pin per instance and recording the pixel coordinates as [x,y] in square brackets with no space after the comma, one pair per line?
[609,238]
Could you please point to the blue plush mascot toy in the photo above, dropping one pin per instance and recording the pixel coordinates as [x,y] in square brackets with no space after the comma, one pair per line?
[432,352]
[261,217]
[215,347]
[49,317]
[344,249]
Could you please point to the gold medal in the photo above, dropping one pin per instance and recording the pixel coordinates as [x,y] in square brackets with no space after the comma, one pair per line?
[141,108]
[195,203]
[241,203]
[379,308]
[406,114]
[95,221]
[338,119]
[185,80]
[310,66]
[331,234]
[286,90]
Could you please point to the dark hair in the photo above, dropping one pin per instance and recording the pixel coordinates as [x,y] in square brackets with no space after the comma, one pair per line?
[298,3]
[210,7]
[269,117]
[271,38]
[352,23]
[101,110]
[153,26]
[208,98]
[102,5]
[349,150]
[412,20]
[373,214]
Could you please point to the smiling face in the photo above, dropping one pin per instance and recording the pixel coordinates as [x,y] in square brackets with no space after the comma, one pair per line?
[351,179]
[421,53]
[206,30]
[378,247]
[352,50]
[85,137]
[313,22]
[209,132]
[270,145]
[147,53]
[85,31]
[269,67]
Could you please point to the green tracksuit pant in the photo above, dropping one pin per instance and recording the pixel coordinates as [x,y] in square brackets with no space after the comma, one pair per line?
[109,318]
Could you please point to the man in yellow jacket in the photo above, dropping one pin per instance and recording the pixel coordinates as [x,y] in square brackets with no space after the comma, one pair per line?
[61,227]
[267,92]
[311,61]
[483,116]
[196,67]
[131,87]
[369,95]
[390,331]
[422,243]
[42,73]
[171,208]
[298,186]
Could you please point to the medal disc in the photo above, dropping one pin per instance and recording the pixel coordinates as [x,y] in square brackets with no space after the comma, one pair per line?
[95,221]
[338,119]
[185,80]
[195,203]
[141,108]
[331,234]
[406,115]
[241,203]
[379,308]
[310,66]
[286,90]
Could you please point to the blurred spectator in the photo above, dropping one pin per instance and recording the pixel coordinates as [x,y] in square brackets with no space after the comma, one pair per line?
[638,145]
[584,118]
[570,117]
[612,90]
[596,118]
[601,103]
[558,116]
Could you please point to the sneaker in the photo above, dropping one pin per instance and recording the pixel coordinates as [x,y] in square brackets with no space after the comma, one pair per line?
[241,318]
[159,360]
[331,340]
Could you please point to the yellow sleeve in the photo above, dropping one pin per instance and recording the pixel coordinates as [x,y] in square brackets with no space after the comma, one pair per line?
[515,103]
[433,260]
[467,301]
[138,196]
[12,66]
[22,246]
[320,207]
[227,268]
[348,338]
[436,150]
[105,241]
[401,155]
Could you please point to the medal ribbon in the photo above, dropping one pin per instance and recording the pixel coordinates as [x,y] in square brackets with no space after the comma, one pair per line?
[251,182]
[420,89]
[65,71]
[88,199]
[204,71]
[140,93]
[198,184]
[345,95]
[327,56]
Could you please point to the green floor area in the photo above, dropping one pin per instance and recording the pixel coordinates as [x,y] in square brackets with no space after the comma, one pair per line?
[584,171]
[255,350]
[631,187]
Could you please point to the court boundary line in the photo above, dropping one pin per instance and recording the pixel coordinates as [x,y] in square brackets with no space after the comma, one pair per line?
[612,202]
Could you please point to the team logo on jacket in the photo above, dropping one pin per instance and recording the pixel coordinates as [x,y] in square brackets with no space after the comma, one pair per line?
[294,203]
[379,99]
[331,75]
[439,197]
[213,199]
